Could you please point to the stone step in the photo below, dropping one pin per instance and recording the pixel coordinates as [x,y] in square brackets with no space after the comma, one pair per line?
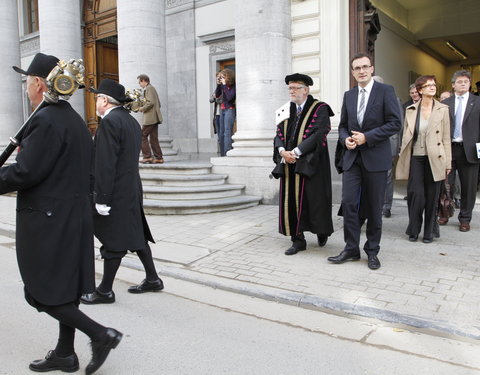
[182,207]
[157,179]
[191,193]
[181,167]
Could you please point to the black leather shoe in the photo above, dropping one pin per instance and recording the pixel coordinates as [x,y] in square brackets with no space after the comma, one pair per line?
[147,286]
[373,262]
[52,363]
[101,348]
[297,245]
[343,257]
[427,239]
[322,240]
[413,237]
[97,297]
[387,213]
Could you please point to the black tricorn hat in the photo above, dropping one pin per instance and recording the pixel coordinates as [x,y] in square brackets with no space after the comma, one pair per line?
[112,88]
[298,77]
[41,66]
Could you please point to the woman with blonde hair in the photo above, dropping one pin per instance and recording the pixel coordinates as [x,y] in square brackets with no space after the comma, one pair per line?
[425,158]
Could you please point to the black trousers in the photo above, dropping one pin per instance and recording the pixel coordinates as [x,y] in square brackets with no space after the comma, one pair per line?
[468,174]
[422,198]
[362,198]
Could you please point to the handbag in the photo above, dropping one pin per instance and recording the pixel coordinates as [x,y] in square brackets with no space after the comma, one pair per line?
[446,207]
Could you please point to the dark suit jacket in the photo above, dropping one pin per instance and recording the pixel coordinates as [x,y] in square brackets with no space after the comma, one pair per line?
[470,125]
[54,231]
[381,120]
[118,184]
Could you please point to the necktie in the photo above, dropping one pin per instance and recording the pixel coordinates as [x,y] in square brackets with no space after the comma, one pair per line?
[458,119]
[297,116]
[361,108]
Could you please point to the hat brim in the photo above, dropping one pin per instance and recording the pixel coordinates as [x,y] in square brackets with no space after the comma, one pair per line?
[18,70]
[125,99]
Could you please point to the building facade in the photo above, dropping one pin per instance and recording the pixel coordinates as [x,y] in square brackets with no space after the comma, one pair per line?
[181,44]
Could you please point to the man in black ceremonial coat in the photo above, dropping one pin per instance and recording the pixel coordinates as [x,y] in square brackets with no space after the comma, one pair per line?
[119,222]
[303,166]
[54,238]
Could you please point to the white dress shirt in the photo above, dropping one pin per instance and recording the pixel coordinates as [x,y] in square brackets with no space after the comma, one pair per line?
[464,107]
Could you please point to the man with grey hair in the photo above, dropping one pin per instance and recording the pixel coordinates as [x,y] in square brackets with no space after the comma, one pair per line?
[465,131]
[120,223]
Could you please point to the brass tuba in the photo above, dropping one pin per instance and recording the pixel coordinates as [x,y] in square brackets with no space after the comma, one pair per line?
[64,79]
[138,100]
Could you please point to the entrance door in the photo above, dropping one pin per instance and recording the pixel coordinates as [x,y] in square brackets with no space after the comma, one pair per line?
[227,64]
[100,50]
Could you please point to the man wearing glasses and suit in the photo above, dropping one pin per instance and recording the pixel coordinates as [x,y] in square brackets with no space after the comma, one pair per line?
[370,116]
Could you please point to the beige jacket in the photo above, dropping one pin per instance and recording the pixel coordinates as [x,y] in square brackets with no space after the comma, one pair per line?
[151,109]
[438,144]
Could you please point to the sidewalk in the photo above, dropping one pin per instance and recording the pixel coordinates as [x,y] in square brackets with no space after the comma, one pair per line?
[432,286]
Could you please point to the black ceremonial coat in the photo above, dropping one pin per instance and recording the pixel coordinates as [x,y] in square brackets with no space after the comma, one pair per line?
[117,183]
[305,197]
[54,233]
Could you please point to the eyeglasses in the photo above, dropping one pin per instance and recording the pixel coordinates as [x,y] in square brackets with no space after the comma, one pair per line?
[461,82]
[295,88]
[432,85]
[357,69]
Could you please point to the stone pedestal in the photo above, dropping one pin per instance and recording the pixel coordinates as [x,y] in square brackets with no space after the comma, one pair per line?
[263,59]
[60,35]
[11,113]
[141,48]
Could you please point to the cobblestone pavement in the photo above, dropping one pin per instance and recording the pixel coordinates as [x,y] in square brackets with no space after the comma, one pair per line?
[434,286]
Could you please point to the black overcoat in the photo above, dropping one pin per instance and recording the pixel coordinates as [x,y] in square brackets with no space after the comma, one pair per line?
[54,234]
[117,183]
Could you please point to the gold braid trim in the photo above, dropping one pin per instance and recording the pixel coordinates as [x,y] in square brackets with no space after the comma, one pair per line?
[299,140]
[285,189]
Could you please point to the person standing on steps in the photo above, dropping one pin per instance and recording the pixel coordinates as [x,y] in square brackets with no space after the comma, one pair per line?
[152,117]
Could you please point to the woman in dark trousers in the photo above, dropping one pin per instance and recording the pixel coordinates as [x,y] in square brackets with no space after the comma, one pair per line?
[425,158]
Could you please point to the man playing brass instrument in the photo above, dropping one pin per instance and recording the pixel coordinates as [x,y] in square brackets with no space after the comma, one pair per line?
[54,232]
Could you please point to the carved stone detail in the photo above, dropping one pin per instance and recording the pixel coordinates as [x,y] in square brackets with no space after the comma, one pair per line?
[222,47]
[29,46]
[175,3]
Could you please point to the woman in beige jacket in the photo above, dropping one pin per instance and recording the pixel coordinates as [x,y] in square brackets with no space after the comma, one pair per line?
[425,158]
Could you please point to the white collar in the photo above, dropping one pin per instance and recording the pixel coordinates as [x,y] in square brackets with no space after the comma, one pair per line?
[109,110]
[368,87]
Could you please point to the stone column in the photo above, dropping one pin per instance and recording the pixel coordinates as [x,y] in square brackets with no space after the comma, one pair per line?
[263,59]
[182,70]
[11,113]
[60,35]
[141,47]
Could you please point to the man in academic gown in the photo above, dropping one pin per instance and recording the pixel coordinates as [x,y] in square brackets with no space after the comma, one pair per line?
[303,167]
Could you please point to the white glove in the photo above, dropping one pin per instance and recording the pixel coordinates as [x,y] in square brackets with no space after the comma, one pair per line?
[103,209]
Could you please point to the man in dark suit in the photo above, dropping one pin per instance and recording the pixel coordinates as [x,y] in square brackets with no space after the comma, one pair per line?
[54,235]
[465,130]
[120,222]
[370,115]
[414,97]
